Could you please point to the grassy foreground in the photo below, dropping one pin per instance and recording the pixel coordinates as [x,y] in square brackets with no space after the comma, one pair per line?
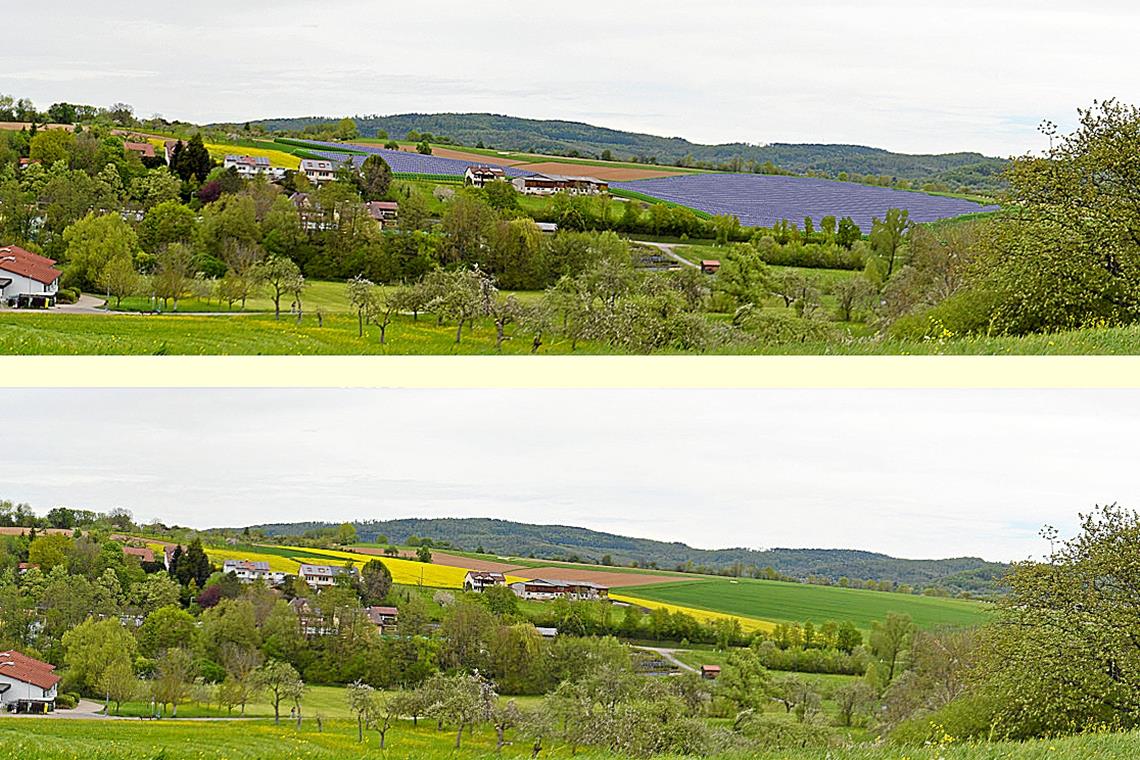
[48,739]
[260,334]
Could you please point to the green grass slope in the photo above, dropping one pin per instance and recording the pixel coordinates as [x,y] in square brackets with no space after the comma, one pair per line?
[801,602]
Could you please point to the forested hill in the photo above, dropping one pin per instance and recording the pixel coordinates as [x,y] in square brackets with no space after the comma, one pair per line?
[567,138]
[560,542]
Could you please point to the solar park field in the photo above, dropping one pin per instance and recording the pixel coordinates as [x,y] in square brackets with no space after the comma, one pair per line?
[758,605]
[758,200]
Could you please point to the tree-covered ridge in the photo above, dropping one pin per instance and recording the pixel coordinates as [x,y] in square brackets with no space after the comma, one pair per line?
[560,542]
[952,170]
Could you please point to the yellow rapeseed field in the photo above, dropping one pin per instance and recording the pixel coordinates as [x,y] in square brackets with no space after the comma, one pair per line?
[748,624]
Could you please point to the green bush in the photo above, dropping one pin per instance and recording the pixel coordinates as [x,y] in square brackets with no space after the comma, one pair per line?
[968,717]
[66,702]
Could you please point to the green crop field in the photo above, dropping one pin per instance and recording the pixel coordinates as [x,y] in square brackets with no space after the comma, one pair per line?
[801,602]
[49,739]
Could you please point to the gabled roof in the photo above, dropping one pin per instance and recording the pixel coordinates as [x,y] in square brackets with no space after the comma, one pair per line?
[484,575]
[495,170]
[144,148]
[325,570]
[27,670]
[315,165]
[245,564]
[27,264]
[144,554]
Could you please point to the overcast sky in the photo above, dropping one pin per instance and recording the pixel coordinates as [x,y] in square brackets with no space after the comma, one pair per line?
[919,474]
[906,75]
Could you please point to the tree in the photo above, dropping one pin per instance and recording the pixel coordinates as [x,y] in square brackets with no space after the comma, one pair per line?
[423,148]
[375,178]
[461,700]
[890,640]
[743,681]
[117,683]
[174,273]
[119,279]
[281,276]
[888,236]
[1061,653]
[191,160]
[168,627]
[93,242]
[853,700]
[173,678]
[852,295]
[363,297]
[52,145]
[91,647]
[282,681]
[848,233]
[423,554]
[361,701]
[376,580]
[743,276]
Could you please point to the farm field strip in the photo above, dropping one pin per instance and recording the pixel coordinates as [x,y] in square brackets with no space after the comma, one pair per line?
[760,200]
[749,624]
[800,602]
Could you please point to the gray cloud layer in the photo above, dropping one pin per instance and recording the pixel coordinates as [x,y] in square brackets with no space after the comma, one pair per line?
[911,473]
[908,75]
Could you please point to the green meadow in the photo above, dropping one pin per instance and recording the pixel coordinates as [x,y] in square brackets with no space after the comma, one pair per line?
[48,739]
[801,602]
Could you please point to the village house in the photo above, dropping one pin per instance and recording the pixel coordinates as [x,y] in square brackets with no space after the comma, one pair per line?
[168,149]
[710,672]
[481,580]
[168,556]
[538,589]
[310,621]
[248,571]
[144,554]
[383,212]
[710,266]
[143,149]
[549,184]
[27,280]
[480,176]
[27,685]
[318,172]
[248,167]
[24,567]
[384,618]
[312,216]
[323,576]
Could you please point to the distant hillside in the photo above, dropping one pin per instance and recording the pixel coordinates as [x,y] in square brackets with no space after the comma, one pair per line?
[568,138]
[559,542]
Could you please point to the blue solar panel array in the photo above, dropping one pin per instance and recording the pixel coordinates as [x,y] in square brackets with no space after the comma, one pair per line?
[403,162]
[760,200]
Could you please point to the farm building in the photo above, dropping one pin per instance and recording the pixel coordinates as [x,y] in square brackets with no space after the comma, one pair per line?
[549,184]
[143,149]
[248,571]
[544,590]
[27,279]
[318,172]
[323,576]
[251,166]
[27,685]
[710,672]
[710,266]
[144,554]
[480,580]
[384,212]
[382,617]
[480,176]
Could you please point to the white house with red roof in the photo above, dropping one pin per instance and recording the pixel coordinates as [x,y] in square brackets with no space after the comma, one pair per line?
[27,276]
[26,684]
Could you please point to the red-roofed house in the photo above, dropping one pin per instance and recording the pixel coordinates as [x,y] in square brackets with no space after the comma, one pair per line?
[144,149]
[26,278]
[144,554]
[26,684]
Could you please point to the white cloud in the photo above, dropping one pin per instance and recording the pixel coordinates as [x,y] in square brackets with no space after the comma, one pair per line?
[908,75]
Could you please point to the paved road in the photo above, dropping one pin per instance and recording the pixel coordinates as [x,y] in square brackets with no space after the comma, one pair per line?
[667,249]
[671,656]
